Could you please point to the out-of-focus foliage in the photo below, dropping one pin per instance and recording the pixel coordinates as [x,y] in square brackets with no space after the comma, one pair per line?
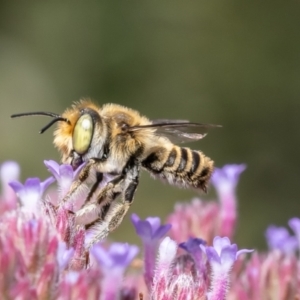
[227,62]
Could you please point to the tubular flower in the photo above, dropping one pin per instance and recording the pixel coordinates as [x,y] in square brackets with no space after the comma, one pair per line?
[64,175]
[113,263]
[279,238]
[225,181]
[221,257]
[150,231]
[31,192]
[177,277]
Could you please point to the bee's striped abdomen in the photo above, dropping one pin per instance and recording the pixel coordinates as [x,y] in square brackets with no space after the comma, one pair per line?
[180,166]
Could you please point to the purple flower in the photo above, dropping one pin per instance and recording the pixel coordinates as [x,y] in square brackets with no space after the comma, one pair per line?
[113,262]
[31,192]
[223,254]
[63,255]
[150,231]
[294,223]
[176,277]
[117,256]
[221,258]
[279,238]
[150,228]
[225,180]
[192,244]
[64,175]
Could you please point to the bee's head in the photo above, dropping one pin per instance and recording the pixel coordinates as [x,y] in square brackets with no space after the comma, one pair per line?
[80,133]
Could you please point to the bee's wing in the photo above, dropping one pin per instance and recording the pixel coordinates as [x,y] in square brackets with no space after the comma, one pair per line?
[178,131]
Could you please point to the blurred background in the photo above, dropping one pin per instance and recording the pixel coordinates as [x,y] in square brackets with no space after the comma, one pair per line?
[231,62]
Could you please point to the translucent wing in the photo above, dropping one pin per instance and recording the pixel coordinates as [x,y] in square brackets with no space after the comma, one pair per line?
[178,131]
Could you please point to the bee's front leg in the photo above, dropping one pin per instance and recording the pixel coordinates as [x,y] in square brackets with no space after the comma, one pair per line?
[93,166]
[112,212]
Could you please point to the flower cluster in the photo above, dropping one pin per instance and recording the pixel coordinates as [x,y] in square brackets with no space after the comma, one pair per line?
[44,253]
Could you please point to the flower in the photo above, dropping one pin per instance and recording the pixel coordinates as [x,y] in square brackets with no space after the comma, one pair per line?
[221,257]
[150,228]
[31,192]
[223,254]
[274,274]
[64,175]
[64,255]
[117,256]
[279,238]
[166,254]
[193,247]
[177,277]
[113,261]
[294,223]
[150,231]
[28,248]
[225,181]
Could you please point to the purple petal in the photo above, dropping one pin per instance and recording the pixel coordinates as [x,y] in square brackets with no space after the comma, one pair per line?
[53,167]
[77,171]
[242,251]
[212,255]
[219,243]
[102,256]
[228,256]
[226,179]
[161,231]
[118,255]
[294,223]
[16,186]
[33,185]
[154,223]
[144,230]
[46,183]
[192,244]
[63,255]
[122,254]
[66,171]
[279,238]
[276,235]
[132,251]
[135,219]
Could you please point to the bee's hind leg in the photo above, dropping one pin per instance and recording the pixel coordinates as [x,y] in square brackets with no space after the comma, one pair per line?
[113,212]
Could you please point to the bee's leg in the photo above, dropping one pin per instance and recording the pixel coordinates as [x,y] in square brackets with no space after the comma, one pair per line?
[92,212]
[92,165]
[114,212]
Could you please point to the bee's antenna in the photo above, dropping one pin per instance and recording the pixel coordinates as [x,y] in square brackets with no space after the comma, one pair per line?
[36,113]
[56,117]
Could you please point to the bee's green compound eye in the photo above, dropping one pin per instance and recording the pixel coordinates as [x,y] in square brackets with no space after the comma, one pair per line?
[83,133]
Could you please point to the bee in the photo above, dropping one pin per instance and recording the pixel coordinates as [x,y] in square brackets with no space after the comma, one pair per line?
[114,142]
